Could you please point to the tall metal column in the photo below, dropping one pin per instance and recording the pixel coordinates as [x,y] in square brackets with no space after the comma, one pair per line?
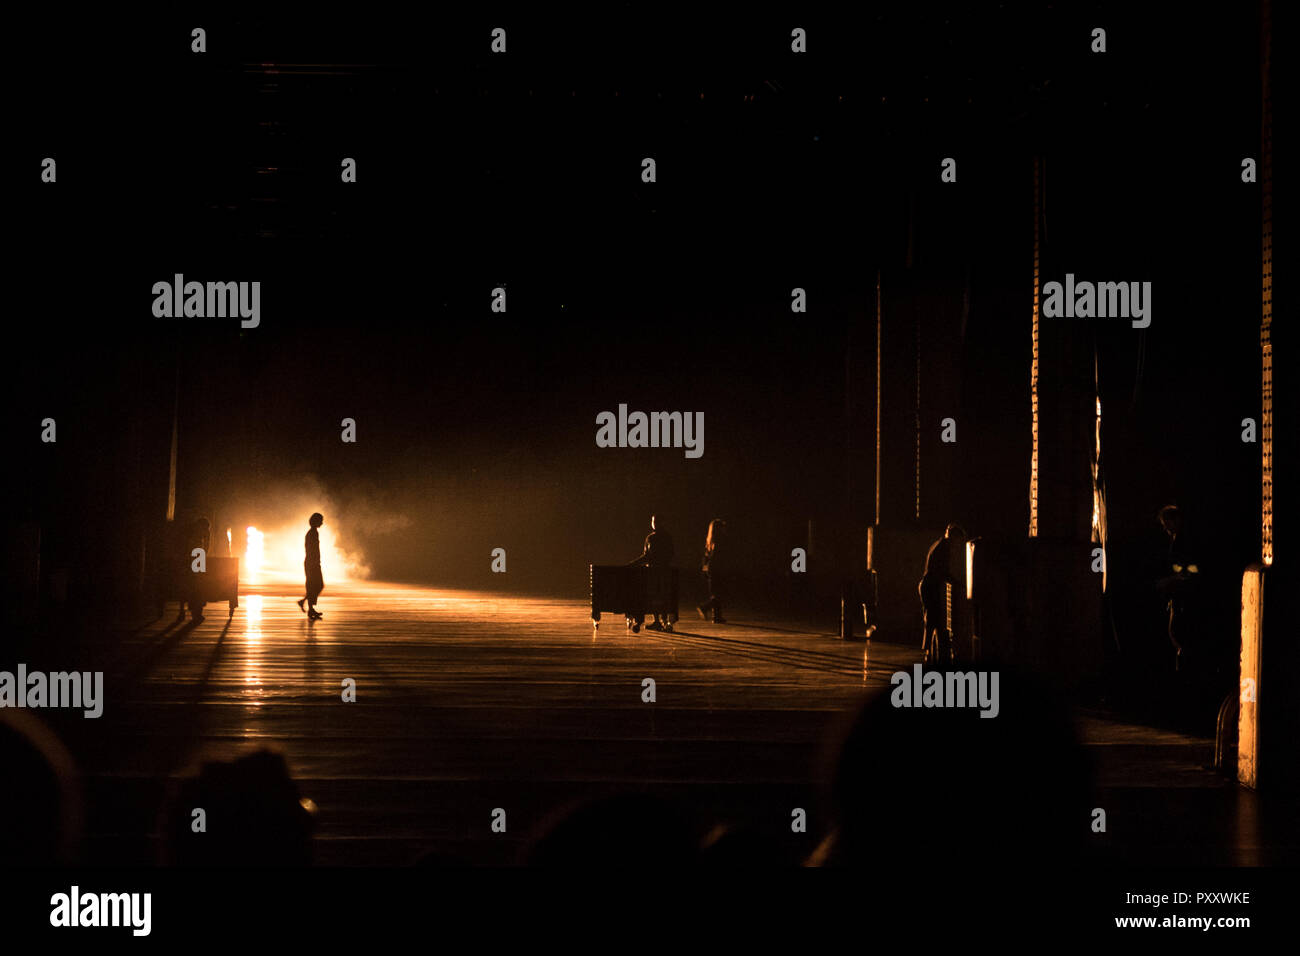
[1266,318]
[878,374]
[1033,373]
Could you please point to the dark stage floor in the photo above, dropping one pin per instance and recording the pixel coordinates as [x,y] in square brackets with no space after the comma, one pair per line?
[466,702]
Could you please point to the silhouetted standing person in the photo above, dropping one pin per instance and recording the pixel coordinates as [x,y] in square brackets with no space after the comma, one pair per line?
[714,568]
[656,553]
[1178,586]
[941,571]
[311,565]
[197,535]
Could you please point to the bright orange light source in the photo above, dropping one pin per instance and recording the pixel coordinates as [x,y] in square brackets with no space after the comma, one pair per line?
[970,570]
[253,551]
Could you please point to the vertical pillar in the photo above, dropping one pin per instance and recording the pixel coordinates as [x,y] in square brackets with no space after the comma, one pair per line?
[1252,691]
[1033,372]
[916,321]
[1249,687]
[171,479]
[1266,317]
[878,375]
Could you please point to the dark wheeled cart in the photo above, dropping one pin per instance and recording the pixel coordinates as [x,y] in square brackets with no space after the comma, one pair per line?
[220,582]
[633,592]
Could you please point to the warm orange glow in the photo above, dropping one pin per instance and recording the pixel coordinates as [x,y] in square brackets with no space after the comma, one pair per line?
[970,570]
[1252,628]
[276,556]
[1096,488]
[252,605]
[252,552]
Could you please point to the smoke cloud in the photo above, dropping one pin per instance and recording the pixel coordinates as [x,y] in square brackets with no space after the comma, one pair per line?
[280,511]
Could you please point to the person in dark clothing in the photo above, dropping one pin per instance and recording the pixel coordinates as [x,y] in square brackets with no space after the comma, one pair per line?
[197,535]
[311,565]
[1178,586]
[943,567]
[656,553]
[714,568]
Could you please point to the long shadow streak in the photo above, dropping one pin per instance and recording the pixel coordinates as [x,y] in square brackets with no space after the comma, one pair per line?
[756,652]
[201,687]
[794,651]
[784,630]
[151,654]
[179,750]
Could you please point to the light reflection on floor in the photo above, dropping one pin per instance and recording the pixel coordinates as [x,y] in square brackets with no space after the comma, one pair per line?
[252,610]
[436,645]
[280,594]
[464,695]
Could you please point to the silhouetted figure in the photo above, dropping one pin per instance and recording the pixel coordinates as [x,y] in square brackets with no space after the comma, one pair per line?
[656,553]
[40,799]
[714,568]
[1178,585]
[311,565]
[197,534]
[622,831]
[253,815]
[923,790]
[944,567]
[177,569]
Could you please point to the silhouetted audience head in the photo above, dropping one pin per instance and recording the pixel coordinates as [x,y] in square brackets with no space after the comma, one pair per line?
[253,814]
[947,790]
[954,531]
[40,796]
[316,520]
[626,830]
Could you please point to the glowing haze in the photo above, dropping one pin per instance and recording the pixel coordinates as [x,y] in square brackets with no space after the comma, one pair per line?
[275,556]
[270,538]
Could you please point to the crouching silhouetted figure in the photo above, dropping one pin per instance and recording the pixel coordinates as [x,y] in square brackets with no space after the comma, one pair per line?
[311,565]
[714,569]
